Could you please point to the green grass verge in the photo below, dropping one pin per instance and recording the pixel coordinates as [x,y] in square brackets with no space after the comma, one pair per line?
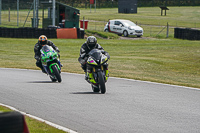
[176,16]
[35,126]
[149,18]
[171,61]
[105,35]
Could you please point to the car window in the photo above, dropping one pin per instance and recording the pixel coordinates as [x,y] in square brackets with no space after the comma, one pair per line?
[117,23]
[129,23]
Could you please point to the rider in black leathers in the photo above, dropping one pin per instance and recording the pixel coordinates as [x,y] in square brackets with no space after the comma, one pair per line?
[91,43]
[41,42]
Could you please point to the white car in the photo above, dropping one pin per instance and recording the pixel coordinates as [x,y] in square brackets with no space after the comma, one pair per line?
[123,27]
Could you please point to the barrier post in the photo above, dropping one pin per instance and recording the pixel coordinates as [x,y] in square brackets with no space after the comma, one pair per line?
[84,23]
[0,11]
[167,30]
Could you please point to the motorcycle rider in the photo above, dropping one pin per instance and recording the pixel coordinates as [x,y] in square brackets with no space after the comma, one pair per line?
[41,42]
[91,43]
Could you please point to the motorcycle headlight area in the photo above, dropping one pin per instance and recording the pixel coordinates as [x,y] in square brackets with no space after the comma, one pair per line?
[91,61]
[50,57]
[44,62]
[103,59]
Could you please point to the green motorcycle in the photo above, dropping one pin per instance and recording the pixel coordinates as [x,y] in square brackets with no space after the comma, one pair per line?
[51,63]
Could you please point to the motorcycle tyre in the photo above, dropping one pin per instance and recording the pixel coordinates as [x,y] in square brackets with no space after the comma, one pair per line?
[95,89]
[53,80]
[57,73]
[102,86]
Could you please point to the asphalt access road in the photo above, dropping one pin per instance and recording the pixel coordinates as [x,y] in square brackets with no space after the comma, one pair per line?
[128,106]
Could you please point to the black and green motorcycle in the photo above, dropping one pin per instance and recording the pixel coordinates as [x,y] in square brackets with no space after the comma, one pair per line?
[51,63]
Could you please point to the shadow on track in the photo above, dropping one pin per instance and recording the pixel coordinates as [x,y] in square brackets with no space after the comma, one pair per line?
[41,82]
[85,93]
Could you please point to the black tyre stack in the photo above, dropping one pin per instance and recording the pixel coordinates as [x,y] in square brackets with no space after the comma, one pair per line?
[27,32]
[187,33]
[2,32]
[80,33]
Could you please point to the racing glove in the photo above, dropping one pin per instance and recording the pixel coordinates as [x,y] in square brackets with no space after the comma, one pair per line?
[105,53]
[82,60]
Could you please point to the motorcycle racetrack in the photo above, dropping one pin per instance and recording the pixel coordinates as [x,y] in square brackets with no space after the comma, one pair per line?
[128,106]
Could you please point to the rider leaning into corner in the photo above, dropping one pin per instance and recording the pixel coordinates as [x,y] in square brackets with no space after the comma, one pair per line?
[41,42]
[91,43]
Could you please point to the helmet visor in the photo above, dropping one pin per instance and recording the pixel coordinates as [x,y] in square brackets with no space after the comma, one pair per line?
[91,45]
[43,42]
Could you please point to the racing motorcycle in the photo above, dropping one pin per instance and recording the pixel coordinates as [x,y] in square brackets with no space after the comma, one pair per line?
[51,63]
[96,62]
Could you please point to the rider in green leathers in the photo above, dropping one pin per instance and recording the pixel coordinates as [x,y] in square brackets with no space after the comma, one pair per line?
[41,42]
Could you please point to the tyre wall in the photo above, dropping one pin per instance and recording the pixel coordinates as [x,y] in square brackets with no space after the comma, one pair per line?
[32,32]
[187,33]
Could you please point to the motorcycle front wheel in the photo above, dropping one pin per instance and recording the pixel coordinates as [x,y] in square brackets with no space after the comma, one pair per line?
[53,80]
[102,85]
[56,72]
[95,89]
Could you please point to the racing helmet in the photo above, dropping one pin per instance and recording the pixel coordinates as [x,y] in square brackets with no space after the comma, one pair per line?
[42,40]
[91,42]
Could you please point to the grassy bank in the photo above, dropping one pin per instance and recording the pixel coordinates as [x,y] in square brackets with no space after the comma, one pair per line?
[176,16]
[149,18]
[169,61]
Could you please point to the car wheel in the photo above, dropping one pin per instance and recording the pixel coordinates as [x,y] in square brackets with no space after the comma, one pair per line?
[125,33]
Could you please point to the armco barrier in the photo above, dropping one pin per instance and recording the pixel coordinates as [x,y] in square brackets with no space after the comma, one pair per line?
[50,32]
[187,33]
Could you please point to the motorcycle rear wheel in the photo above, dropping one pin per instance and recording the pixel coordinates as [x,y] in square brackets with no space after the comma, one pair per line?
[102,85]
[57,73]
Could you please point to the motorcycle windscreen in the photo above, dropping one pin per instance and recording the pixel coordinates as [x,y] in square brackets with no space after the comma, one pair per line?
[46,48]
[95,53]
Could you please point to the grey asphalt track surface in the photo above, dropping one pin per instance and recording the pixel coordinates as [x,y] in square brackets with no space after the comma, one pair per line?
[128,106]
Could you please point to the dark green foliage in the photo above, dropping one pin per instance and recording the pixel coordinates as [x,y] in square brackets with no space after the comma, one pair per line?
[26,4]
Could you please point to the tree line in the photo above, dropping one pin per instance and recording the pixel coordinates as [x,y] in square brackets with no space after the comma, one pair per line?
[103,3]
[140,3]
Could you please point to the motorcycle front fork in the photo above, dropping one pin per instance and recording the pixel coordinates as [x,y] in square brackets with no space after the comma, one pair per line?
[92,74]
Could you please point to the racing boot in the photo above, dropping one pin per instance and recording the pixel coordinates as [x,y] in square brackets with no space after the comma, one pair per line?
[43,71]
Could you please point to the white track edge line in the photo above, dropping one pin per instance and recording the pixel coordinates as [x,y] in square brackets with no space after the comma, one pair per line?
[41,120]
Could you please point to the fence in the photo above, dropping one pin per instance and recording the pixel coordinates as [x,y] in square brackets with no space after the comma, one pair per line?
[164,30]
[17,13]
